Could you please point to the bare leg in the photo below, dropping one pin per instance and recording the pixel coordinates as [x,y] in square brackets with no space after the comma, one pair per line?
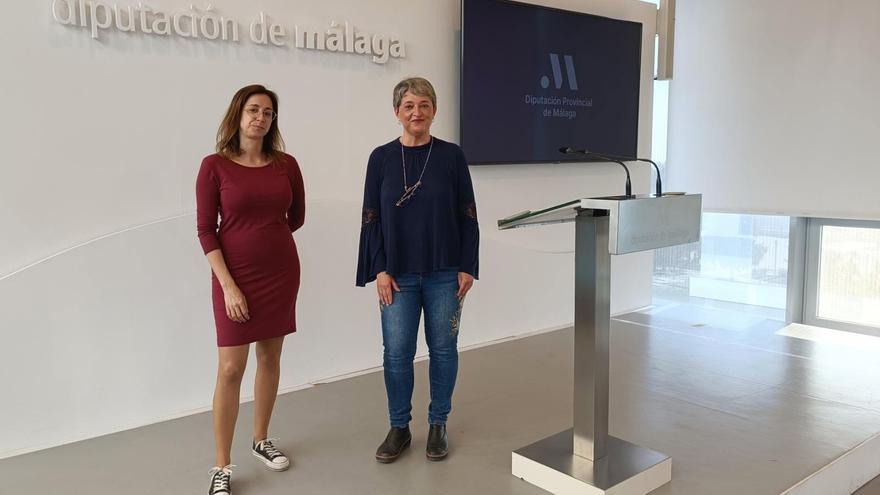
[227,395]
[266,384]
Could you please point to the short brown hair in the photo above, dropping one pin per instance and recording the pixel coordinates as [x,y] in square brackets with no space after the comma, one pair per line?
[418,86]
[228,143]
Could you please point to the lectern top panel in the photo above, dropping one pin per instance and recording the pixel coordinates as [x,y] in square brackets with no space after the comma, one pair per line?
[636,223]
[565,212]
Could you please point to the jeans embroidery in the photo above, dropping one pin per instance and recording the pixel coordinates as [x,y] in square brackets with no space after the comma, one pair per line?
[456,318]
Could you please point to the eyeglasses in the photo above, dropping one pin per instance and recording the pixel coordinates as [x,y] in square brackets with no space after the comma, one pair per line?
[267,113]
[408,193]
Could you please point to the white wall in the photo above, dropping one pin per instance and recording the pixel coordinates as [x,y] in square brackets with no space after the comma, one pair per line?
[104,294]
[774,107]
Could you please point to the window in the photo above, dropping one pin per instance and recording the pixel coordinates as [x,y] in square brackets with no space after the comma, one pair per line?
[740,259]
[843,275]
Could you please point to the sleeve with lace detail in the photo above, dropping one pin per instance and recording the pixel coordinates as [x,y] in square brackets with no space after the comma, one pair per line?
[371,253]
[469,228]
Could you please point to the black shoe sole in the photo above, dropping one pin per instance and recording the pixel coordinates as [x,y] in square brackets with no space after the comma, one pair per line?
[389,460]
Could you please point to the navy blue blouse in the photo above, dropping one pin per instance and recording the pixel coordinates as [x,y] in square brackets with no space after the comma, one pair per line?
[436,229]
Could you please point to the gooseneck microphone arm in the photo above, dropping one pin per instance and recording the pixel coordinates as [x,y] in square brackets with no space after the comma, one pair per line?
[629,187]
[659,184]
[569,151]
[634,159]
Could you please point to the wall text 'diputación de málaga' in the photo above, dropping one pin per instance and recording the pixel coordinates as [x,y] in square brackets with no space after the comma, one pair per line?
[207,24]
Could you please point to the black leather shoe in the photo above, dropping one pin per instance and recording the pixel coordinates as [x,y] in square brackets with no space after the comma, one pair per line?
[397,440]
[438,443]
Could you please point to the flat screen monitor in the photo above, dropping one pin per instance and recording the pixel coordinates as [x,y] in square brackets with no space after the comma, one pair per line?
[535,79]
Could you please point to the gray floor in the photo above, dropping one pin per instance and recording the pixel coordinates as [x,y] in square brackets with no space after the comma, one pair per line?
[739,408]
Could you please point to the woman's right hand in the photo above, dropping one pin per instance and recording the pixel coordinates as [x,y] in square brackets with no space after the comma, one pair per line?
[236,305]
[386,286]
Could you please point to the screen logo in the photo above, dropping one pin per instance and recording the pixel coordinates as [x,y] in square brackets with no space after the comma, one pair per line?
[557,73]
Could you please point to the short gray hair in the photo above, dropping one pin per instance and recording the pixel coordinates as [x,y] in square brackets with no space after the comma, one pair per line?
[418,86]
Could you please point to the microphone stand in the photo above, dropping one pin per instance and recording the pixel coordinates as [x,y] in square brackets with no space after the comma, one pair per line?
[659,184]
[569,151]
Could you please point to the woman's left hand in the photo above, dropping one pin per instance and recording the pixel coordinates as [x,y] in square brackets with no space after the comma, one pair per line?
[465,282]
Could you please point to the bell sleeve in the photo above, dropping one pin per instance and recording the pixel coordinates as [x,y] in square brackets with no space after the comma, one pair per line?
[469,229]
[371,252]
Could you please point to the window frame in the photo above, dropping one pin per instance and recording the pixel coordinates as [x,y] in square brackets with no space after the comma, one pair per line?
[811,275]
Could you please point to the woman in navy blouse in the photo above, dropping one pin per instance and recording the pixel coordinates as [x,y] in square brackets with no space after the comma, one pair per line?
[419,242]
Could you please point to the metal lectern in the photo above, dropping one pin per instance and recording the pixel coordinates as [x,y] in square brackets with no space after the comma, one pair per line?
[585,459]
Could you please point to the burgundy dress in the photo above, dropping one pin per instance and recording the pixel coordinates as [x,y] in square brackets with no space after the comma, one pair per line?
[259,208]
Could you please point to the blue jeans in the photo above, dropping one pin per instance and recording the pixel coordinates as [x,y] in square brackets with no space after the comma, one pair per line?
[435,293]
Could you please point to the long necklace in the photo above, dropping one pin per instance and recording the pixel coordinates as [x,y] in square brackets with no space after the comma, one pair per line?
[410,191]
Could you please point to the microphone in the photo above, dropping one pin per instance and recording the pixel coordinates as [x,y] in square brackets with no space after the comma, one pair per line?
[658,184]
[570,151]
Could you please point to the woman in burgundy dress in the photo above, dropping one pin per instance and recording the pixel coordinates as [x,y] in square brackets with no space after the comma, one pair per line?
[257,191]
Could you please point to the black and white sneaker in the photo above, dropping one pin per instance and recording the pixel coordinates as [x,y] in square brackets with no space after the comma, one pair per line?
[265,451]
[221,481]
